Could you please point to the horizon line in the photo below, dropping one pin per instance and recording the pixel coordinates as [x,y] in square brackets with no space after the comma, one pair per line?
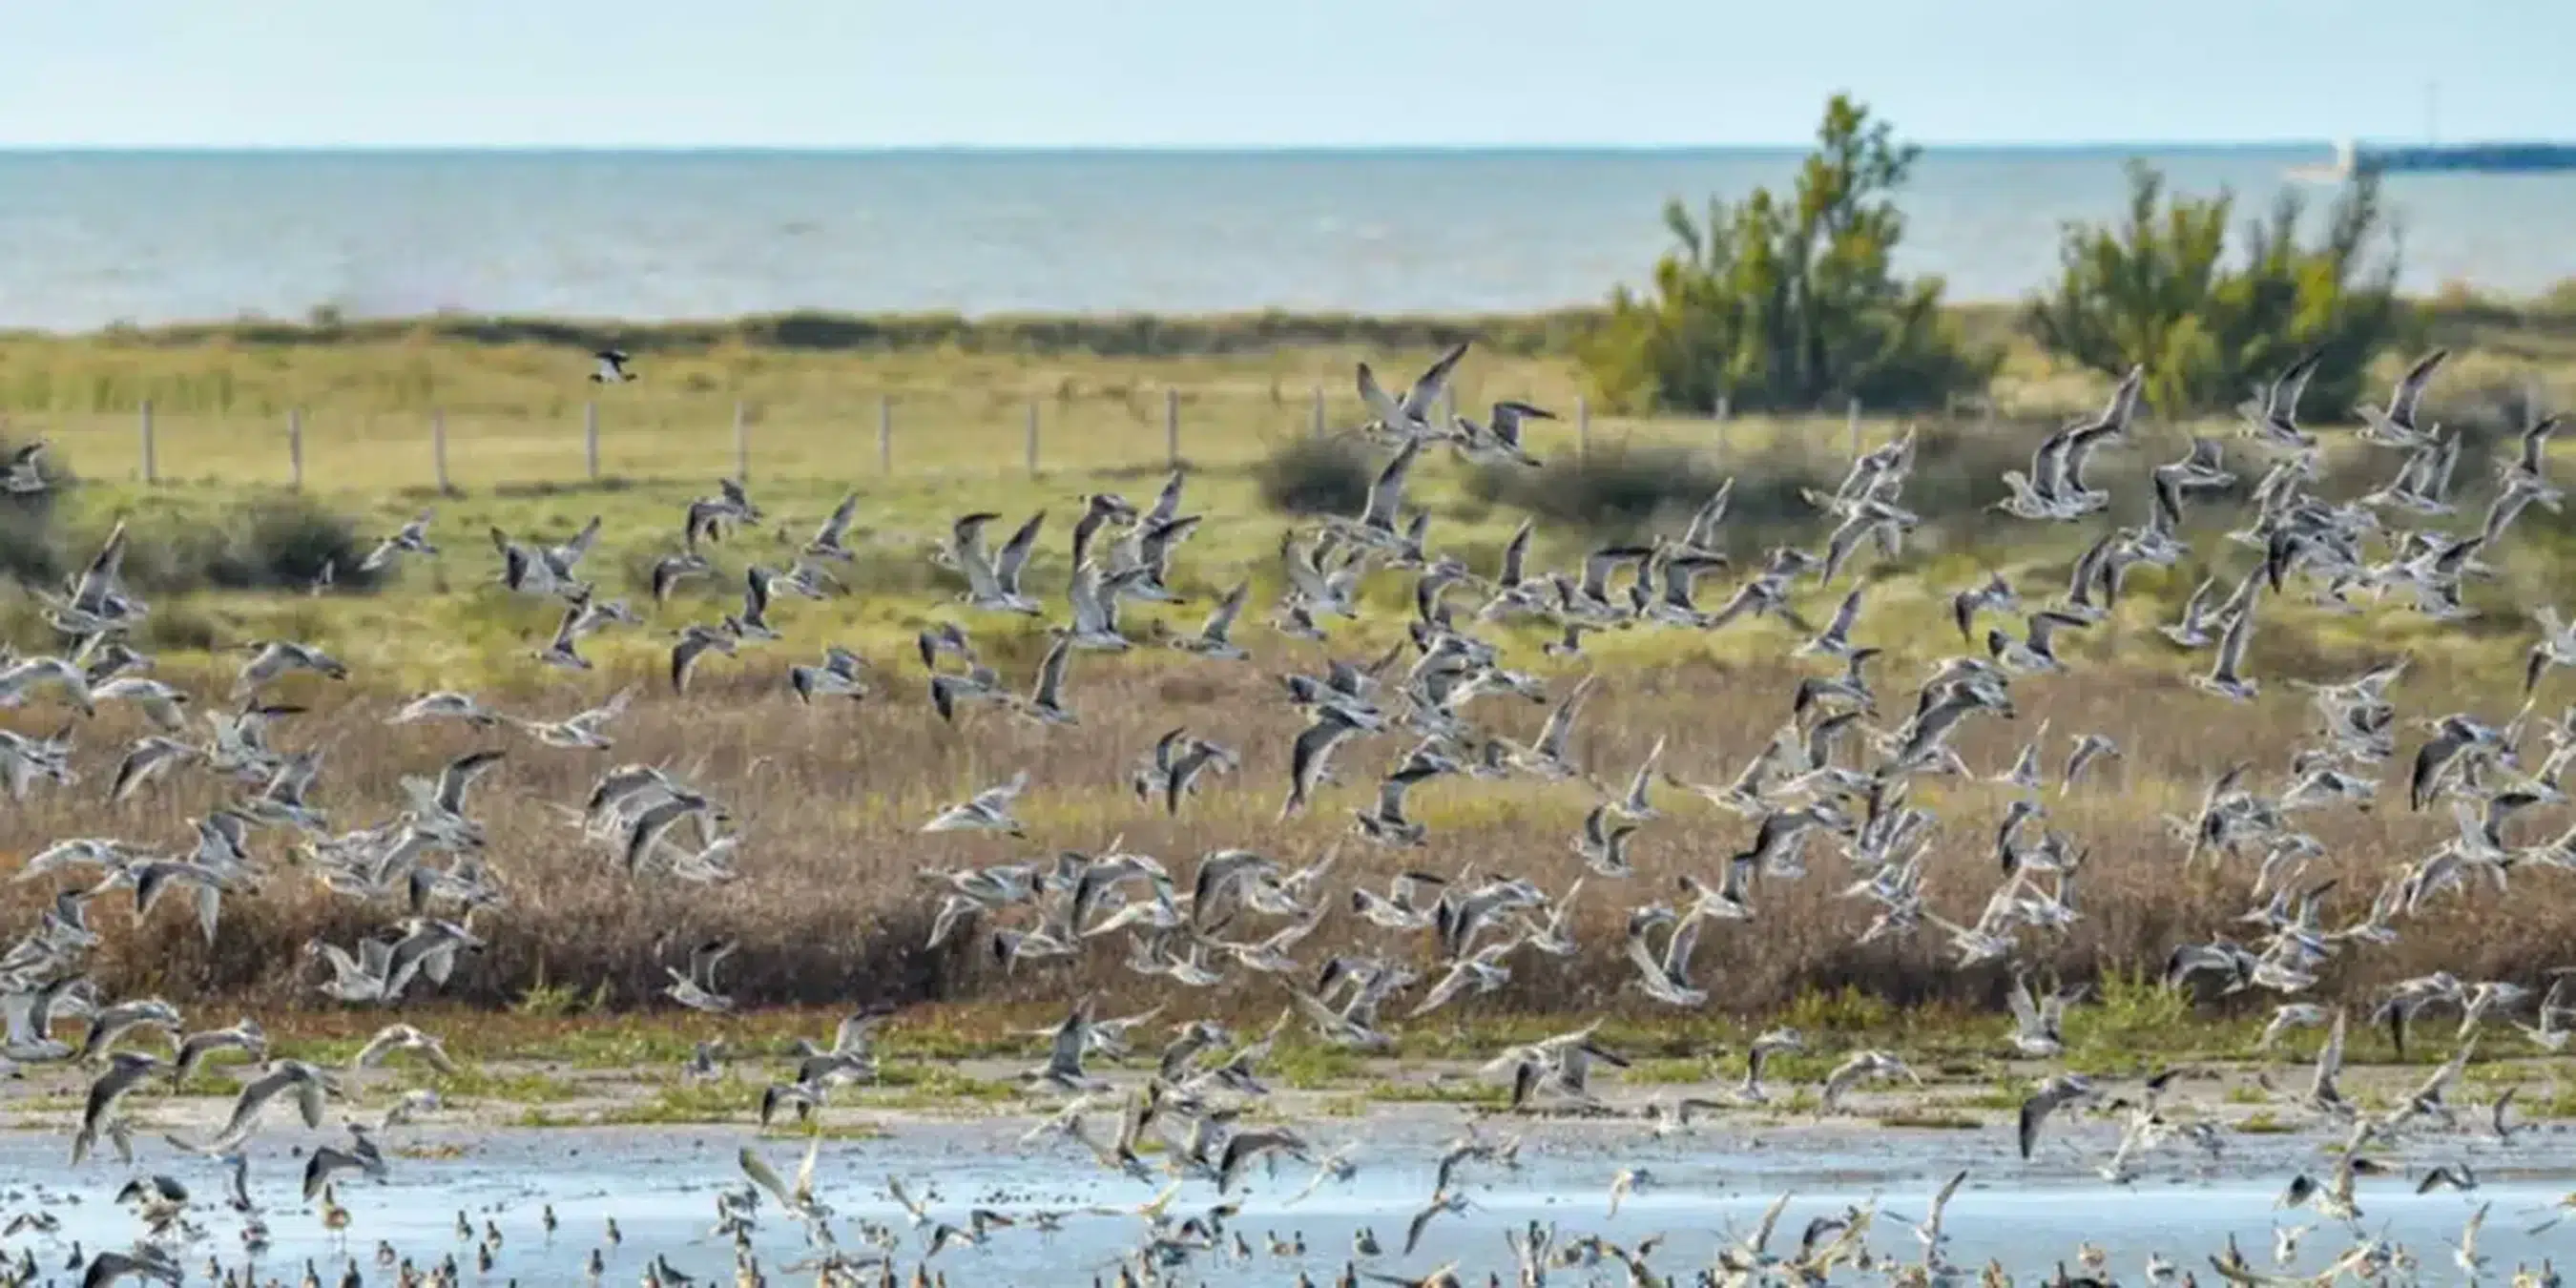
[1164,149]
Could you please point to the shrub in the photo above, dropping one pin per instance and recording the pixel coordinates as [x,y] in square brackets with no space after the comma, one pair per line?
[27,550]
[285,543]
[275,543]
[2155,290]
[1790,303]
[1618,493]
[1317,476]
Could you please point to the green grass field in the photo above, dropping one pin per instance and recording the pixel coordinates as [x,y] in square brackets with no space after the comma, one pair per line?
[517,417]
[956,399]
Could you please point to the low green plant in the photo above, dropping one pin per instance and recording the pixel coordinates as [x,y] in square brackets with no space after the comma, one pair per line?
[549,1000]
[1845,1010]
[689,1102]
[1307,1066]
[1671,1072]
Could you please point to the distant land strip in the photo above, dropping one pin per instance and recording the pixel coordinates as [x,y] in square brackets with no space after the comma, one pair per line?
[1104,334]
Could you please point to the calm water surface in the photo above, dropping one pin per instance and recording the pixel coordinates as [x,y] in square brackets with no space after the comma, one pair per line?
[152,237]
[661,1189]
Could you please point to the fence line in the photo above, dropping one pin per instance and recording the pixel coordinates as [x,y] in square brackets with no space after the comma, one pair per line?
[595,431]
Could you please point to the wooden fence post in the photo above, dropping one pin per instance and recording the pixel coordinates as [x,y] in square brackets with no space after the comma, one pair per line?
[438,448]
[1172,429]
[1033,438]
[151,467]
[1319,411]
[885,434]
[295,448]
[1582,429]
[590,439]
[741,443]
[1851,426]
[1719,411]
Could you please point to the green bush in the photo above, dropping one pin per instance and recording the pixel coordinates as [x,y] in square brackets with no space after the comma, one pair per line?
[1790,303]
[284,544]
[1317,476]
[1616,494]
[2157,290]
[27,552]
[278,542]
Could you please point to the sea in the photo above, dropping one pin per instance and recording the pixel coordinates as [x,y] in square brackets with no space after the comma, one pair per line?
[92,239]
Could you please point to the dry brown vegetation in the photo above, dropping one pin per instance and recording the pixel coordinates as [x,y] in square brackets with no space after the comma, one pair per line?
[830,909]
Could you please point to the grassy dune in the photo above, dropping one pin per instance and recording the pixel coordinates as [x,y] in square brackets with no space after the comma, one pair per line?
[831,911]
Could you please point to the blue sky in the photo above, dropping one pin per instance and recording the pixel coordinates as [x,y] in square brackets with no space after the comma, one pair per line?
[1039,73]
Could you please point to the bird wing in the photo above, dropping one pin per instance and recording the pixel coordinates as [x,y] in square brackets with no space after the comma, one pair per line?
[903,1196]
[2282,403]
[2034,1113]
[1426,390]
[1516,554]
[2231,646]
[1386,495]
[1015,552]
[1551,736]
[1227,609]
[839,522]
[2330,1057]
[1678,949]
[1381,405]
[1051,671]
[1000,796]
[2410,387]
[2023,1012]
[1639,952]
[373,1053]
[704,958]
[766,1177]
[308,1099]
[460,774]
[805,1170]
[254,1097]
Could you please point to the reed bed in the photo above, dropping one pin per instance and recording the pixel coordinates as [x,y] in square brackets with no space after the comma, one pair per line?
[832,910]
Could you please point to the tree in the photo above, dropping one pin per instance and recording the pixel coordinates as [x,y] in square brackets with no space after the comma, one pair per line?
[1789,304]
[2157,290]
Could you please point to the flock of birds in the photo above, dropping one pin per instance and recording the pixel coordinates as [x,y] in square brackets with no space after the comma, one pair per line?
[1837,775]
